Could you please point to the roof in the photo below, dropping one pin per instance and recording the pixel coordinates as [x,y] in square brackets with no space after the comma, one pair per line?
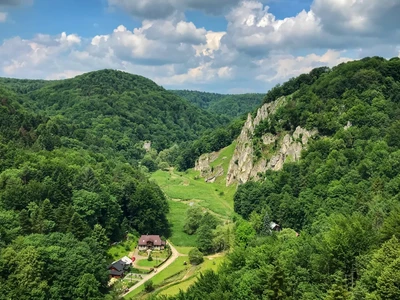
[119,265]
[273,225]
[126,260]
[116,273]
[154,239]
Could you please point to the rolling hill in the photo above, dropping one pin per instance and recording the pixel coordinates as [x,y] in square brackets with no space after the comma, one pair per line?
[232,106]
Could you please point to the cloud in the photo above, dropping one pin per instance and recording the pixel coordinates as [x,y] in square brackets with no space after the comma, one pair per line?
[20,55]
[3,17]
[328,24]
[363,17]
[280,67]
[155,43]
[161,9]
[256,51]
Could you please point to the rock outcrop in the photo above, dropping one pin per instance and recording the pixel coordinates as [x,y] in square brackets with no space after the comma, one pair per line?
[203,164]
[244,166]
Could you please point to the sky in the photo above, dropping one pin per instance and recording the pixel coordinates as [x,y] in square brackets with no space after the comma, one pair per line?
[225,46]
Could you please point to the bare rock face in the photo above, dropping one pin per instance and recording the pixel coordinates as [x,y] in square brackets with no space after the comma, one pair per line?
[244,166]
[290,148]
[203,164]
[147,146]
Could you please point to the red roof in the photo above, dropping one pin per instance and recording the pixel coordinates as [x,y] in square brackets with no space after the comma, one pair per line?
[154,239]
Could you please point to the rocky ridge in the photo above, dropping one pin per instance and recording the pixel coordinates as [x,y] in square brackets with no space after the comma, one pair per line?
[245,165]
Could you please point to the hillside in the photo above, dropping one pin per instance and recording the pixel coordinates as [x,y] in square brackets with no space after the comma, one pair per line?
[324,149]
[113,110]
[61,206]
[231,106]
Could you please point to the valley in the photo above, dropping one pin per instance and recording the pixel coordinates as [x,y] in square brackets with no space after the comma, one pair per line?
[295,199]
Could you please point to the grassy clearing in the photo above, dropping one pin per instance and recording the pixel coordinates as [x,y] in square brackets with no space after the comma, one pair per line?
[147,264]
[224,157]
[184,188]
[176,216]
[123,249]
[176,267]
[184,250]
[184,285]
[189,186]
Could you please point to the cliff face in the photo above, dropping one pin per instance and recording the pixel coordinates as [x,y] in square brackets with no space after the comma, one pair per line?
[203,164]
[246,164]
[242,165]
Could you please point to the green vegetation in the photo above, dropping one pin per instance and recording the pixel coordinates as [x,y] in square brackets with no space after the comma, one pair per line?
[175,268]
[175,217]
[188,189]
[66,193]
[229,105]
[195,256]
[342,197]
[192,276]
[122,249]
[146,263]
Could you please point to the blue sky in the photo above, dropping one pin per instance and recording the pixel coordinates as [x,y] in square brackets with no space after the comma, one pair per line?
[227,46]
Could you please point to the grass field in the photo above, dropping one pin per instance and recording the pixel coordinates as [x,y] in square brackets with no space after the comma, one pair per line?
[185,188]
[146,263]
[176,216]
[176,267]
[184,285]
[189,187]
[118,251]
[184,250]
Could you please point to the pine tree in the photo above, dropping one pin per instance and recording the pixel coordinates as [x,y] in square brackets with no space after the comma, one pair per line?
[78,227]
[25,222]
[99,235]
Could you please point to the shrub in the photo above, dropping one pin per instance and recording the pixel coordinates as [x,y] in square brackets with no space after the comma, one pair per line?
[195,256]
[148,286]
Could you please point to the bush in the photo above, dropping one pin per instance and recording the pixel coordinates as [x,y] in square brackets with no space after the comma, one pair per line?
[150,258]
[148,286]
[195,256]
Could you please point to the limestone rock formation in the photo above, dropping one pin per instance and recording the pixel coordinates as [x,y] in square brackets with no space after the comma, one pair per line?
[203,164]
[244,166]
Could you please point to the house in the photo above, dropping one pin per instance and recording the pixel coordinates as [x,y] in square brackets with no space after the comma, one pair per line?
[118,268]
[274,226]
[152,242]
[126,260]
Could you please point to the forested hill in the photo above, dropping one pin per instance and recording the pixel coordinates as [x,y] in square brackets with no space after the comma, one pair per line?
[231,106]
[338,205]
[61,203]
[113,109]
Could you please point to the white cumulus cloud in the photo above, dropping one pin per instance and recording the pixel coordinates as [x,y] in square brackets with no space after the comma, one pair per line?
[3,17]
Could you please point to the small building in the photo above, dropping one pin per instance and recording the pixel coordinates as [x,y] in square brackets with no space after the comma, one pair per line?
[274,226]
[151,242]
[118,268]
[126,260]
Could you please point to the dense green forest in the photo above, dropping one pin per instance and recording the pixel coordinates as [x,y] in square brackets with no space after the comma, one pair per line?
[64,197]
[339,206]
[112,111]
[232,106]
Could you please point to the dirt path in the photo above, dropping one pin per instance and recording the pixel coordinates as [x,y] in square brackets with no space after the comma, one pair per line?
[173,257]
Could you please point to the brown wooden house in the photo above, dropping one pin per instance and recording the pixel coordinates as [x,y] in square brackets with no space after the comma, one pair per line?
[152,242]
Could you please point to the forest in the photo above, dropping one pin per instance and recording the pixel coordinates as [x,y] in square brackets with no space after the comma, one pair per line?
[338,206]
[231,106]
[74,179]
